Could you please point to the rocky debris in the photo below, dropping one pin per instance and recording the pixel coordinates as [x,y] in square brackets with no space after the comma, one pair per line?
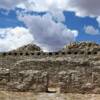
[4,78]
[4,75]
[90,46]
[96,90]
[74,81]
[28,48]
[30,80]
[70,81]
[87,87]
[4,71]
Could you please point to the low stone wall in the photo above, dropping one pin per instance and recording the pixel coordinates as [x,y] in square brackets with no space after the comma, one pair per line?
[72,75]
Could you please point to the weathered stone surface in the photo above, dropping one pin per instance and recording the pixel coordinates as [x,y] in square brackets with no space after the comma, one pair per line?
[28,48]
[29,80]
[75,69]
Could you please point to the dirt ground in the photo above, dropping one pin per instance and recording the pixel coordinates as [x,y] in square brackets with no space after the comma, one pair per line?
[46,96]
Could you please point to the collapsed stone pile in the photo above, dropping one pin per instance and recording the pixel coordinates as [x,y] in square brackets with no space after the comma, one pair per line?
[83,46]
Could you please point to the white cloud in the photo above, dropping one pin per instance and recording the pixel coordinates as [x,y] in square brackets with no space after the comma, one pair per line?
[45,5]
[47,33]
[33,5]
[13,38]
[58,15]
[91,30]
[81,7]
[98,20]
[9,4]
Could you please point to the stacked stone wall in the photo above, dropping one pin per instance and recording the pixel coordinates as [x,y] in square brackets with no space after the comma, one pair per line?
[71,71]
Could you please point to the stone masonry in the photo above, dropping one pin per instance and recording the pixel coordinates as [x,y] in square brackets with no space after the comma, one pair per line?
[74,69]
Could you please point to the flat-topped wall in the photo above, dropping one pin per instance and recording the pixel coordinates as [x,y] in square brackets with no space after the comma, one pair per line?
[70,70]
[37,54]
[79,74]
[10,58]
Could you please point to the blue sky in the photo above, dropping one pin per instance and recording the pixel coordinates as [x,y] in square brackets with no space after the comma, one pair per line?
[75,22]
[50,29]
[10,19]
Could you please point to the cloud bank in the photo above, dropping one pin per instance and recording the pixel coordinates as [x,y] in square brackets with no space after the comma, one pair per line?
[85,7]
[49,31]
[12,38]
[81,7]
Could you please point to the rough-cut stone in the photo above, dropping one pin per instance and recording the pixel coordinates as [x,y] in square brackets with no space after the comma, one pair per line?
[76,68]
[29,80]
[28,48]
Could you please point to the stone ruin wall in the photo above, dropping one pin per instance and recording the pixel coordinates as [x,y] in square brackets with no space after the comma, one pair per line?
[77,71]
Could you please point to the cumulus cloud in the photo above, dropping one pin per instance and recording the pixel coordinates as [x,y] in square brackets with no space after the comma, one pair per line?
[45,5]
[98,20]
[9,4]
[84,7]
[57,15]
[81,7]
[12,38]
[91,30]
[33,5]
[47,33]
